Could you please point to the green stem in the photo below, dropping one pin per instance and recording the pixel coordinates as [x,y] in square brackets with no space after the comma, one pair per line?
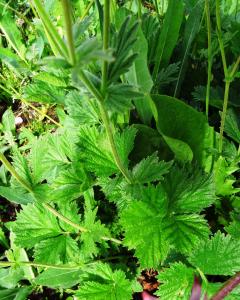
[50,28]
[220,40]
[13,172]
[235,67]
[207,9]
[224,112]
[85,13]
[68,27]
[156,7]
[106,28]
[36,265]
[139,9]
[117,159]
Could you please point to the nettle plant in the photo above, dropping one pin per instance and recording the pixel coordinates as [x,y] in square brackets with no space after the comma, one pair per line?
[128,178]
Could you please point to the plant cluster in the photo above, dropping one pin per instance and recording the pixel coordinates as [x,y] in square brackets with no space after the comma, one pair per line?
[128,155]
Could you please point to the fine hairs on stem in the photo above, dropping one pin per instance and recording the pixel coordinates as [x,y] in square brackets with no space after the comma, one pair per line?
[228,74]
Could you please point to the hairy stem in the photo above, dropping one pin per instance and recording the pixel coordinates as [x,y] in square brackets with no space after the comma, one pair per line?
[220,40]
[227,287]
[106,28]
[224,112]
[68,28]
[207,10]
[106,121]
[36,265]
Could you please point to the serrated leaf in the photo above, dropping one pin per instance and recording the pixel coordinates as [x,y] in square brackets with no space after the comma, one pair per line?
[80,109]
[186,231]
[144,229]
[59,278]
[95,232]
[150,169]
[232,126]
[123,42]
[61,249]
[95,151]
[120,96]
[111,285]
[217,256]
[189,191]
[16,194]
[71,211]
[34,224]
[176,282]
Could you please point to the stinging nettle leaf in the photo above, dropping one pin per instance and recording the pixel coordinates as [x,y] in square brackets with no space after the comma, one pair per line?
[217,256]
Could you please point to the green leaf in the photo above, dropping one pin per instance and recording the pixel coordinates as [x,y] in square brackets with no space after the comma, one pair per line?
[95,232]
[71,211]
[168,35]
[192,27]
[81,110]
[8,122]
[34,224]
[44,93]
[57,250]
[176,282]
[120,96]
[181,122]
[10,277]
[13,61]
[122,44]
[189,190]
[59,278]
[183,153]
[223,177]
[232,126]
[95,151]
[186,231]
[12,34]
[150,169]
[3,239]
[15,294]
[217,256]
[139,76]
[16,194]
[111,285]
[144,228]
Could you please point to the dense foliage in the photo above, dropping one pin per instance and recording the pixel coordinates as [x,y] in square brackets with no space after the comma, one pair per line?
[120,148]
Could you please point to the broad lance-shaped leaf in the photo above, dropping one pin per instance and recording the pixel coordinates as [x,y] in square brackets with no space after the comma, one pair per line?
[176,282]
[168,35]
[179,121]
[139,76]
[34,224]
[106,284]
[191,29]
[217,256]
[150,169]
[59,278]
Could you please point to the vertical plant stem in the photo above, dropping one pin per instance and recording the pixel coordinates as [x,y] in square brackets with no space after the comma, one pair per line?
[224,112]
[220,40]
[106,121]
[139,9]
[106,28]
[209,76]
[67,11]
[226,289]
